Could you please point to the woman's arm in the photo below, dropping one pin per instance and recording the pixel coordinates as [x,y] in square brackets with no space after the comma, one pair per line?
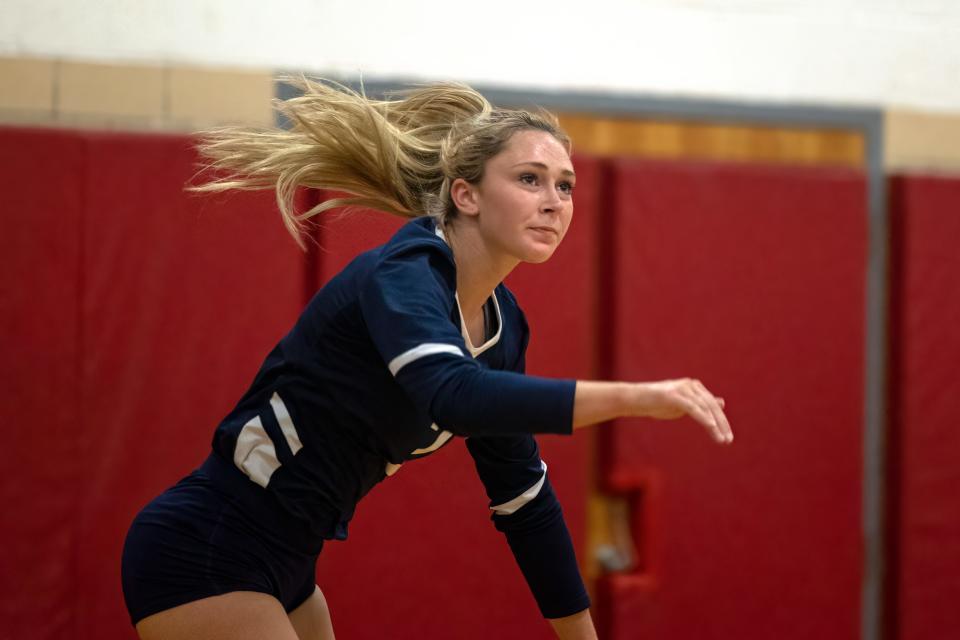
[579,626]
[527,511]
[406,306]
[602,401]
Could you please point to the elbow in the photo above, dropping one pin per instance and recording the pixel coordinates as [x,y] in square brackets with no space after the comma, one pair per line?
[453,403]
[540,513]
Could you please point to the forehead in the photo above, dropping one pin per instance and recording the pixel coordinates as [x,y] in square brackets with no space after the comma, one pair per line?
[534,146]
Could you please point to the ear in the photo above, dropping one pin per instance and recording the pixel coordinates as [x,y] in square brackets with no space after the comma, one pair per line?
[464,196]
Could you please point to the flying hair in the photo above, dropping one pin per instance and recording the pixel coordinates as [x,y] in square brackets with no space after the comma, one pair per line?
[397,155]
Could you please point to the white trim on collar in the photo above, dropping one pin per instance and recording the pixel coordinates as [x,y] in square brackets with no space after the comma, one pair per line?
[474,351]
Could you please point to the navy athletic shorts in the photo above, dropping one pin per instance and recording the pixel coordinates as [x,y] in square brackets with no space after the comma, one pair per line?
[196,540]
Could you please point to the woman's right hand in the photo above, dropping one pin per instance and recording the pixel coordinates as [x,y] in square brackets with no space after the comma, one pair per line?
[597,402]
[668,399]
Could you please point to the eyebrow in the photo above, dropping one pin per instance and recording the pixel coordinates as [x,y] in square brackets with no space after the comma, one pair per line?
[540,165]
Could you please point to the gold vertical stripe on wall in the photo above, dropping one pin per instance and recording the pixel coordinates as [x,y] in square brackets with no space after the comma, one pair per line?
[668,139]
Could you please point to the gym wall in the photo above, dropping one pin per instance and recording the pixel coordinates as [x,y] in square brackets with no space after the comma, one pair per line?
[134,315]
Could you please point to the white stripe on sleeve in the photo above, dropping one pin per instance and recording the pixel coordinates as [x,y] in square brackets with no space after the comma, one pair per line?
[425,349]
[255,454]
[439,442]
[286,424]
[512,506]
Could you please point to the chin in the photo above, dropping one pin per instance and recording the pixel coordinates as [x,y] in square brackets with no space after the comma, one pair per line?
[538,256]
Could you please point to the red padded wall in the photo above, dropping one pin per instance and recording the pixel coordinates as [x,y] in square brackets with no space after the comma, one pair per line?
[137,316]
[456,577]
[924,442]
[41,202]
[183,297]
[147,311]
[751,279]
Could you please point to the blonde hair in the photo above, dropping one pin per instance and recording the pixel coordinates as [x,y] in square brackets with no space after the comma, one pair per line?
[398,155]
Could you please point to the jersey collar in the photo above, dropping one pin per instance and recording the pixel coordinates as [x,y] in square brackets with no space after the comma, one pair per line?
[475,351]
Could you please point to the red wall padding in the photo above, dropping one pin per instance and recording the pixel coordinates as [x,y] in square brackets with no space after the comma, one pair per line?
[456,577]
[172,300]
[751,279]
[41,196]
[924,442]
[183,297]
[134,315]
[137,316]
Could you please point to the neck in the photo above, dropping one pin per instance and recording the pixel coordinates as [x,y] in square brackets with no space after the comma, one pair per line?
[479,270]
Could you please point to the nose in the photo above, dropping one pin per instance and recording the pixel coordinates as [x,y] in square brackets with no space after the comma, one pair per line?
[551,201]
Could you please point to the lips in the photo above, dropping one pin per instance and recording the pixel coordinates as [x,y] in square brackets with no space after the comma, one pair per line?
[546,230]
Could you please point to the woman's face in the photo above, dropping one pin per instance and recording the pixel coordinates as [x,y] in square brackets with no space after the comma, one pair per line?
[524,202]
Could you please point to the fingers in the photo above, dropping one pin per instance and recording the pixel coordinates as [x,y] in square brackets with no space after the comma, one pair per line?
[689,396]
[699,412]
[711,406]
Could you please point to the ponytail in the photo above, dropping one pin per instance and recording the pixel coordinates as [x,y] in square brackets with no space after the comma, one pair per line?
[397,156]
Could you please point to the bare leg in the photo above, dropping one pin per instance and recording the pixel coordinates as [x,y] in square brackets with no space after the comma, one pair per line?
[240,615]
[312,619]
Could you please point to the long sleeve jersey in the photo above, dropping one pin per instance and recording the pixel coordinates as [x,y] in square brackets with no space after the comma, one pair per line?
[379,370]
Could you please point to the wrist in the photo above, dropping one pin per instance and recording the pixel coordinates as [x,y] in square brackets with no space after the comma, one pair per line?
[578,626]
[641,399]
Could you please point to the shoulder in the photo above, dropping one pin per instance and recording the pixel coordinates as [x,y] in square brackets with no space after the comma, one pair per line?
[413,275]
[416,237]
[416,252]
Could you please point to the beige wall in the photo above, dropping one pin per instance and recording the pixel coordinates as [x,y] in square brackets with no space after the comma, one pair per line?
[181,98]
[921,141]
[62,93]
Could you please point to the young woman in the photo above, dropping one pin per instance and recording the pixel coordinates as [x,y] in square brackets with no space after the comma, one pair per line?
[414,342]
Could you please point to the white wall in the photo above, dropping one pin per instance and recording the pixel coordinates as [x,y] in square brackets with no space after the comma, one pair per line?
[894,53]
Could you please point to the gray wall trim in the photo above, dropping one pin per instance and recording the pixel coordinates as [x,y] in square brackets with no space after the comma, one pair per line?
[867,121]
[673,108]
[875,405]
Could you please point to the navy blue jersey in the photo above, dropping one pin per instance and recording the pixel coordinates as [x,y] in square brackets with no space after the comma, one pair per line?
[379,370]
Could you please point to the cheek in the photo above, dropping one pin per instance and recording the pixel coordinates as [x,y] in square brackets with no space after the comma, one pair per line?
[565,219]
[511,209]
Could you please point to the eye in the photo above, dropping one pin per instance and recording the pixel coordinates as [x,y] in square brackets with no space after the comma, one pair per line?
[566,187]
[528,178]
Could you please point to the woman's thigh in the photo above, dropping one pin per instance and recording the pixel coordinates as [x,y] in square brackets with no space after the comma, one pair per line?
[192,543]
[311,620]
[239,615]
